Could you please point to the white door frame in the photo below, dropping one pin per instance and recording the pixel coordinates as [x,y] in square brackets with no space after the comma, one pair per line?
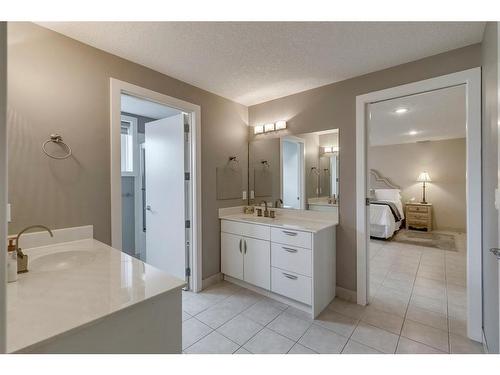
[3,186]
[471,79]
[117,88]
[302,173]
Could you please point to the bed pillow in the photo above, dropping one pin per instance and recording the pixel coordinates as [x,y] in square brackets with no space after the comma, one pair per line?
[392,195]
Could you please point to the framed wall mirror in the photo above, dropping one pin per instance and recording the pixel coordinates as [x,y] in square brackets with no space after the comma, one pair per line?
[295,171]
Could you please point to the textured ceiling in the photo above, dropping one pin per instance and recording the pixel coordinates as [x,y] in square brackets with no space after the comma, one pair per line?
[253,62]
[431,116]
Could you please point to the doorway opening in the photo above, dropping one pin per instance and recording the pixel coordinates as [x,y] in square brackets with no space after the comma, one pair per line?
[441,279]
[292,172]
[155,194]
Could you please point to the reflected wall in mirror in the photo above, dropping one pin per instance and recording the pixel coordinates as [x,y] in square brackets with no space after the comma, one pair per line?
[299,171]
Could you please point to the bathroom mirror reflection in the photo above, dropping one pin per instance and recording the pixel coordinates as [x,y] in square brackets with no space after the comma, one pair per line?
[299,171]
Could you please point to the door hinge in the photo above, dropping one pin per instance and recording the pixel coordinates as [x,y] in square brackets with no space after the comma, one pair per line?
[187,176]
[188,272]
[367,201]
[186,128]
[188,224]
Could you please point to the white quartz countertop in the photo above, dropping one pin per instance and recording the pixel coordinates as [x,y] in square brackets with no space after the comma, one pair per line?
[308,225]
[74,283]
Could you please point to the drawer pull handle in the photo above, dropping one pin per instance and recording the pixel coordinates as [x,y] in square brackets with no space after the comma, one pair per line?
[240,245]
[288,233]
[292,277]
[290,250]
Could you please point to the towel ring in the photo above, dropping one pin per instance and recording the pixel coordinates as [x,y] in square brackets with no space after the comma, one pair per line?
[56,138]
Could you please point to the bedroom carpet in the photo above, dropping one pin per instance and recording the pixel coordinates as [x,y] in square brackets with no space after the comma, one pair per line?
[436,240]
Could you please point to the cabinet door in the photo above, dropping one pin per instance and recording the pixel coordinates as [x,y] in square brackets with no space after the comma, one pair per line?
[232,255]
[257,264]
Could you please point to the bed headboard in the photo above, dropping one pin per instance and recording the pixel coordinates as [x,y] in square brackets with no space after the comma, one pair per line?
[377,181]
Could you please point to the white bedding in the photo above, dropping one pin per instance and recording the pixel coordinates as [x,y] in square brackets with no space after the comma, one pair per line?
[382,222]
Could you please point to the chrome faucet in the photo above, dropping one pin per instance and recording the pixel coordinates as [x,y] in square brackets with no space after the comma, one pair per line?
[22,259]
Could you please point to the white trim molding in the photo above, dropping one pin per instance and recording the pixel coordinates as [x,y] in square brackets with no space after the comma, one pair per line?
[471,79]
[3,186]
[212,280]
[117,88]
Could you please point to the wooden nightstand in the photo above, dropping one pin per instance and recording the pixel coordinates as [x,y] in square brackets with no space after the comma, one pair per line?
[419,215]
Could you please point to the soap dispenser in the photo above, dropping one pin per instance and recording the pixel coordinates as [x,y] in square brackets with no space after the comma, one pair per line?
[11,262]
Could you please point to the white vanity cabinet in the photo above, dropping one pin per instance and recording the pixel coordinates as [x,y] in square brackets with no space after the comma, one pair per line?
[296,266]
[246,258]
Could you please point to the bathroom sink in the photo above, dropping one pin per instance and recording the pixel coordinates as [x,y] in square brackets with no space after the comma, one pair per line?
[60,261]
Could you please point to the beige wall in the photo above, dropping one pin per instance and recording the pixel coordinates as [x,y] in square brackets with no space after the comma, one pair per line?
[445,162]
[490,86]
[57,84]
[333,106]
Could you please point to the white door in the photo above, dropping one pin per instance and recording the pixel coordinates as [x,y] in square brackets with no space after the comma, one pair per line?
[232,255]
[257,262]
[165,195]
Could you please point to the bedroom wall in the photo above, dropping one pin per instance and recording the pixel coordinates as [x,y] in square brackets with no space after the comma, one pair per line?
[334,106]
[445,162]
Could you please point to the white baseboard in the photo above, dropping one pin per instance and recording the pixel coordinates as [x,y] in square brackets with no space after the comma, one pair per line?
[36,239]
[211,280]
[346,294]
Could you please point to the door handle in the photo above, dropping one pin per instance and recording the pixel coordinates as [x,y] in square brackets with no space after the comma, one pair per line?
[290,250]
[291,277]
[288,233]
[240,245]
[496,252]
[245,246]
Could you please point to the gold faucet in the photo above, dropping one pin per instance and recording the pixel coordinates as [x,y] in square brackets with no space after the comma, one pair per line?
[22,259]
[266,211]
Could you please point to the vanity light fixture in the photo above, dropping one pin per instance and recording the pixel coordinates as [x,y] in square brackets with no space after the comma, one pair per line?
[268,127]
[401,110]
[258,129]
[330,149]
[280,125]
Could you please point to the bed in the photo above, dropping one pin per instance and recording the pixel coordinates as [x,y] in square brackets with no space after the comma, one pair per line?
[386,207]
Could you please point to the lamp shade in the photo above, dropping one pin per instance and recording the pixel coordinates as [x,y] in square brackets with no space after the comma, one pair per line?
[424,177]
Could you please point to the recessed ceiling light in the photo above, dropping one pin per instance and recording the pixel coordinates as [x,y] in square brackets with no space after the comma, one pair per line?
[400,111]
[413,132]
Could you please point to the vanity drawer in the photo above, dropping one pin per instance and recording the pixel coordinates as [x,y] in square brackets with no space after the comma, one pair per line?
[291,285]
[291,237]
[245,229]
[291,258]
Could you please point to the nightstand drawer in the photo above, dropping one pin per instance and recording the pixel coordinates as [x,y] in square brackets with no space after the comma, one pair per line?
[421,209]
[414,216]
[418,223]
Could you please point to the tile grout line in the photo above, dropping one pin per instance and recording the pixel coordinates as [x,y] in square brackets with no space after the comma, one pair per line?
[408,306]
[209,307]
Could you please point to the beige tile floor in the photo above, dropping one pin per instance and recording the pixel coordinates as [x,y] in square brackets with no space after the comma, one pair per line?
[417,305]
